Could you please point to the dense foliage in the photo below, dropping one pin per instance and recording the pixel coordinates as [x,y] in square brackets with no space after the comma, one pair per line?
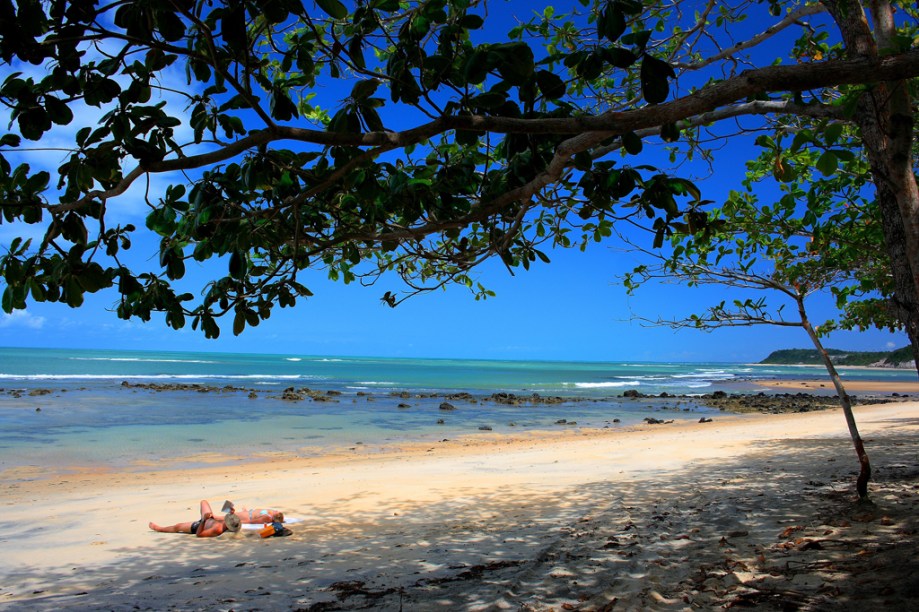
[416,138]
[843,358]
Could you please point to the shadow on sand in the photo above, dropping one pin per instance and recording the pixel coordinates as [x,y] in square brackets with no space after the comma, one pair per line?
[771,531]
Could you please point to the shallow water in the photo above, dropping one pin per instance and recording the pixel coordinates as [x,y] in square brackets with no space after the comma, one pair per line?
[71,408]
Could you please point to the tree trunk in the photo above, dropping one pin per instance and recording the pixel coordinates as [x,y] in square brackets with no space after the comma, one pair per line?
[864,475]
[886,122]
[905,301]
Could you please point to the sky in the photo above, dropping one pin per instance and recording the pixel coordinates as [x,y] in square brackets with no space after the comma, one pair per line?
[570,309]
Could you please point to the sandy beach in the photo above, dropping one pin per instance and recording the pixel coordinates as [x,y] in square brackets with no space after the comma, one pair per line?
[852,386]
[745,510]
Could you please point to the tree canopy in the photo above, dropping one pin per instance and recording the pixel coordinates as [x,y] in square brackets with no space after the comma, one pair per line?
[416,138]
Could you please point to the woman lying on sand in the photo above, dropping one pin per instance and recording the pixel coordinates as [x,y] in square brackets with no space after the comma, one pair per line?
[208,526]
[255,515]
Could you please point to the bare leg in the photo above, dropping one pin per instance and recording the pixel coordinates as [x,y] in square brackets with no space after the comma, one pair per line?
[206,509]
[177,528]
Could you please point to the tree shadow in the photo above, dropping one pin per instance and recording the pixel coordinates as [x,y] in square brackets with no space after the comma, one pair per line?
[778,528]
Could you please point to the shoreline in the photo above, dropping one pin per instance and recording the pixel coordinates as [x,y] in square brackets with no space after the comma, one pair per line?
[871,386]
[661,516]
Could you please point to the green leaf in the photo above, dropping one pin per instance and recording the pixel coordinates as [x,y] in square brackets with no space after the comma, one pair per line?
[551,85]
[239,322]
[514,61]
[237,265]
[832,133]
[276,11]
[334,8]
[801,138]
[476,67]
[364,89]
[170,26]
[620,58]
[654,74]
[282,108]
[670,132]
[489,100]
[639,39]
[472,22]
[7,302]
[233,30]
[632,143]
[591,67]
[611,23]
[583,161]
[827,163]
[58,111]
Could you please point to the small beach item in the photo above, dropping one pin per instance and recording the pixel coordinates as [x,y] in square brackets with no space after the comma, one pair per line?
[275,529]
[232,522]
[227,506]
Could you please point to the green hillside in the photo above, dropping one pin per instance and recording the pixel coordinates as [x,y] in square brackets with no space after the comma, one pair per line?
[843,358]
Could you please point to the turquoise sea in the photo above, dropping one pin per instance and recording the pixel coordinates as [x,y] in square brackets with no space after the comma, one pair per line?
[87,408]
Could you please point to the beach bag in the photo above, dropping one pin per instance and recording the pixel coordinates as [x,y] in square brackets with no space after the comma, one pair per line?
[275,530]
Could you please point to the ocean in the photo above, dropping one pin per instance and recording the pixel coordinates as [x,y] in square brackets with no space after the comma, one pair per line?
[93,409]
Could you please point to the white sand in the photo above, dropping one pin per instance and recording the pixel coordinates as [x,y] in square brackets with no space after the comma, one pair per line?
[658,517]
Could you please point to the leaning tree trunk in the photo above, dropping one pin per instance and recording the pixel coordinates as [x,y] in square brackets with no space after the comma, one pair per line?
[886,122]
[864,475]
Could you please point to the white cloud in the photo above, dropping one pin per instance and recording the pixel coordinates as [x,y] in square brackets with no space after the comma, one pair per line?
[21,318]
[891,345]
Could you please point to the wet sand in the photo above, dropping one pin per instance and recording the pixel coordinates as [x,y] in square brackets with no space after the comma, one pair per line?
[852,386]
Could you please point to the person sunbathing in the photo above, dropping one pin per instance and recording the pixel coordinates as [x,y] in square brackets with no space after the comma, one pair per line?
[258,515]
[208,526]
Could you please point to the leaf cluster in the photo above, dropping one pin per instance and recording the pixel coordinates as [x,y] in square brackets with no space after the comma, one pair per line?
[368,140]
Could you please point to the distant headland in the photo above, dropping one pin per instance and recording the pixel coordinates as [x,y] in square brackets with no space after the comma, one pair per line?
[900,358]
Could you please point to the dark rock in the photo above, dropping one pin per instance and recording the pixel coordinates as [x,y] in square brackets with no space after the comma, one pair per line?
[404,405]
[631,393]
[705,420]
[291,395]
[447,406]
[484,427]
[440,421]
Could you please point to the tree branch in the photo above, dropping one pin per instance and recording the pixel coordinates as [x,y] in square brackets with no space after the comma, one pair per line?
[790,19]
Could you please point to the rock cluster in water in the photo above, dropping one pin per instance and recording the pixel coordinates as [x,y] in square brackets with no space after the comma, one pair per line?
[768,403]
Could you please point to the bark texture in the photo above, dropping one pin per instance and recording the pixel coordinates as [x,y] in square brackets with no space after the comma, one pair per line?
[886,122]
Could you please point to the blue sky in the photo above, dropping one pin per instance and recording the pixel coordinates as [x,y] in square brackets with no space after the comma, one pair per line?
[571,309]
